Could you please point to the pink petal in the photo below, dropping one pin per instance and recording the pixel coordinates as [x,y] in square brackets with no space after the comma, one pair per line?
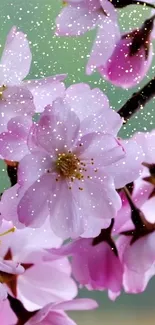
[41,237]
[16,58]
[124,70]
[94,227]
[32,167]
[58,128]
[67,219]
[53,314]
[123,216]
[104,149]
[11,267]
[76,20]
[20,99]
[147,142]
[7,316]
[107,37]
[148,209]
[82,100]
[13,144]
[45,283]
[105,268]
[136,283]
[45,316]
[46,90]
[9,211]
[102,199]
[3,294]
[17,101]
[69,211]
[109,9]
[144,249]
[32,208]
[76,304]
[129,167]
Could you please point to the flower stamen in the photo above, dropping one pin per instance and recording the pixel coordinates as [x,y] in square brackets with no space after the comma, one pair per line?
[2,88]
[8,231]
[68,166]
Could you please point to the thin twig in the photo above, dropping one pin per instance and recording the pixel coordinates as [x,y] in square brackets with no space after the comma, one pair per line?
[22,314]
[138,100]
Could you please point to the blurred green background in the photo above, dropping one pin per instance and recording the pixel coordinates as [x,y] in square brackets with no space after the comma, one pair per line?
[52,55]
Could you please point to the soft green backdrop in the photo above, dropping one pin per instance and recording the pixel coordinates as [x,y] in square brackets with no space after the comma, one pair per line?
[60,55]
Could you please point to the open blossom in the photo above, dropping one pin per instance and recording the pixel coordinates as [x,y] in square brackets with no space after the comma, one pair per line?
[73,161]
[42,282]
[131,58]
[95,266]
[93,109]
[18,97]
[77,17]
[69,177]
[54,313]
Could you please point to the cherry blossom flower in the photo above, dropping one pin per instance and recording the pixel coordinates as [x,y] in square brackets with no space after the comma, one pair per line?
[137,272]
[73,164]
[68,170]
[95,265]
[54,313]
[42,282]
[95,114]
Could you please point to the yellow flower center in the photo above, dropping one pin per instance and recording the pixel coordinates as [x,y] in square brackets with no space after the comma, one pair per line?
[68,165]
[2,88]
[8,231]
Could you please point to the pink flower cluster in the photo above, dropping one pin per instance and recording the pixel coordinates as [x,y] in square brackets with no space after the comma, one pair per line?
[122,59]
[72,176]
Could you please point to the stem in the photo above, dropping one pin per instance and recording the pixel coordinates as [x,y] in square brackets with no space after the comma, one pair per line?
[136,213]
[105,236]
[124,3]
[22,314]
[138,100]
[12,173]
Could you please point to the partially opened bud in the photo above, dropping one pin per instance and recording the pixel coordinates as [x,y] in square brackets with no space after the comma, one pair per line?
[131,58]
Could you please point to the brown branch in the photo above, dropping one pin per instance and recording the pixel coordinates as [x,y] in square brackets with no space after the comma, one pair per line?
[12,168]
[22,314]
[124,3]
[138,100]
